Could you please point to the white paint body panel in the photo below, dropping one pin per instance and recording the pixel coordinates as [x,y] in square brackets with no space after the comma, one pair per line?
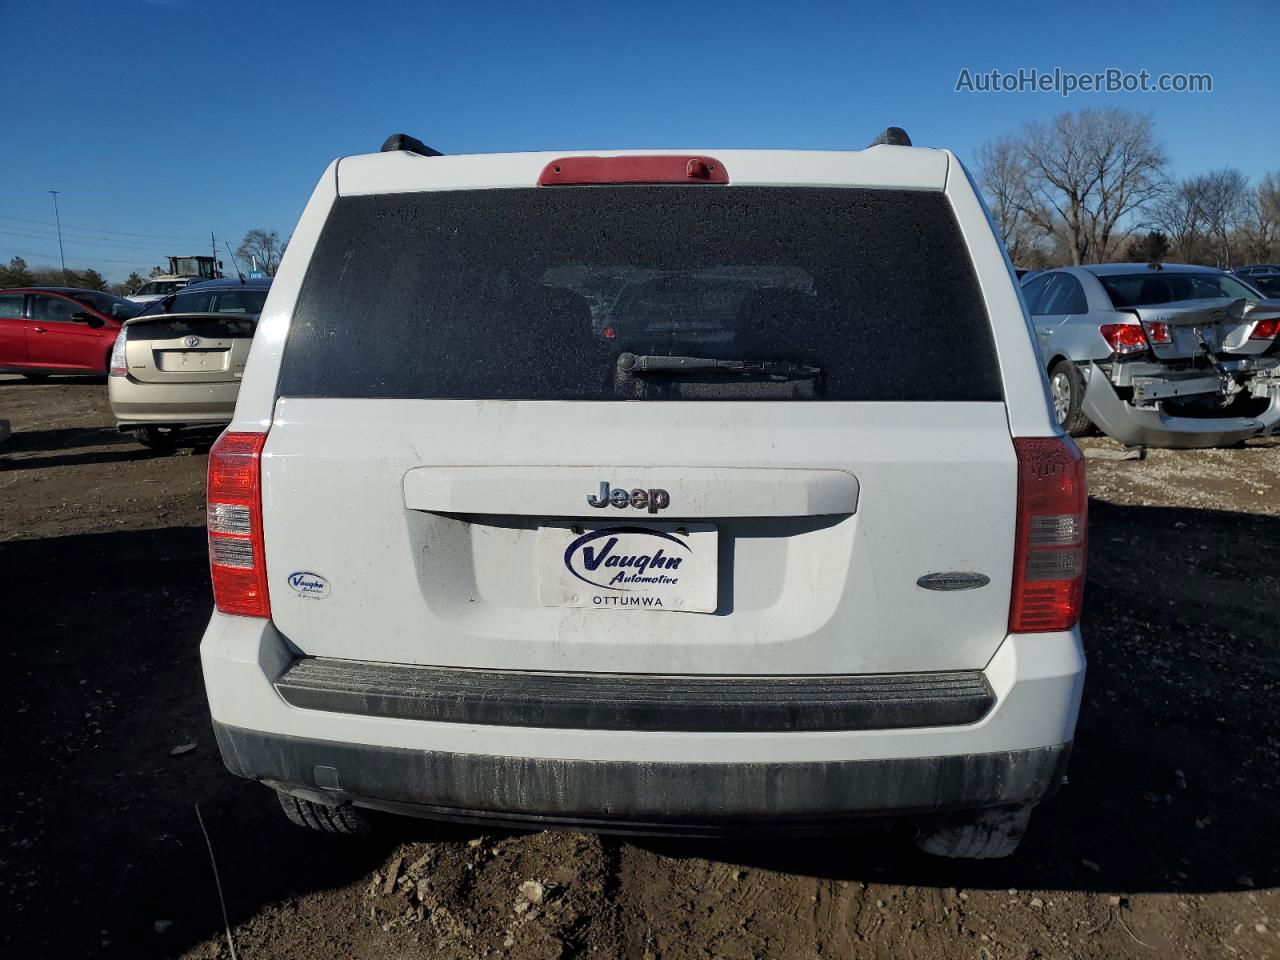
[798,594]
[884,166]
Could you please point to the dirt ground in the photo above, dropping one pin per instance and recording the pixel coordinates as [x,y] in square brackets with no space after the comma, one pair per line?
[1166,841]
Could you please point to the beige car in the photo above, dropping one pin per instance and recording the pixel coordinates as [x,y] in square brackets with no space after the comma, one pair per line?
[179,363]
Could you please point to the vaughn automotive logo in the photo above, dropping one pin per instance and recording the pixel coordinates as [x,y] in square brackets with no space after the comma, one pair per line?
[627,559]
[308,584]
[636,566]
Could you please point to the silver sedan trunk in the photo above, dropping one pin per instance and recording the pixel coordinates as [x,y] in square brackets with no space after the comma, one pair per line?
[1173,356]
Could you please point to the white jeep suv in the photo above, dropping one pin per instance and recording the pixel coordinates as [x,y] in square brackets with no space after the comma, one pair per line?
[673,491]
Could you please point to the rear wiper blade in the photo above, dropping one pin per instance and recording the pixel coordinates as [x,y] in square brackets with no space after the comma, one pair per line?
[630,363]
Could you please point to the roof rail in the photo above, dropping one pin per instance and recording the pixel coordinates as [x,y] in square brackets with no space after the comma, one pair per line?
[402,141]
[893,136]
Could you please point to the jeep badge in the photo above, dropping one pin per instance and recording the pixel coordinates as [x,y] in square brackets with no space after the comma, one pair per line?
[653,499]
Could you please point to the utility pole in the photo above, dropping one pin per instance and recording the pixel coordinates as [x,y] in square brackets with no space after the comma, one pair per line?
[213,249]
[58,219]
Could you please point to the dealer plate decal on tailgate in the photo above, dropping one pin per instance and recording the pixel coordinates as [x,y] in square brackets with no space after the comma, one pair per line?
[308,584]
[629,566]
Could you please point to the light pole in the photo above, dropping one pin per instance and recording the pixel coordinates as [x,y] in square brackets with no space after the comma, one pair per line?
[58,219]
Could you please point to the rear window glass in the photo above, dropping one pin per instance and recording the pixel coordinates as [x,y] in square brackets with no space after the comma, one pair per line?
[163,287]
[198,299]
[1156,287]
[800,293]
[205,329]
[1269,285]
[11,305]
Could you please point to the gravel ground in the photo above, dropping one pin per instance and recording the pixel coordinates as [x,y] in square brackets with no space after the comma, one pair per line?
[1164,843]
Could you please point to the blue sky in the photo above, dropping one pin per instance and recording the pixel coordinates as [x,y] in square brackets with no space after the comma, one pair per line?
[161,120]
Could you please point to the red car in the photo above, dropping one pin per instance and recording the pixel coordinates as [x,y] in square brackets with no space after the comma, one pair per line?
[46,330]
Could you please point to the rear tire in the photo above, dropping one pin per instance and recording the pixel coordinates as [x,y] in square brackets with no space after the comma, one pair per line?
[986,835]
[346,820]
[163,439]
[1066,390]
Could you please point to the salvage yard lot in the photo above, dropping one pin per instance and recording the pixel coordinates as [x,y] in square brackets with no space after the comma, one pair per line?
[1163,844]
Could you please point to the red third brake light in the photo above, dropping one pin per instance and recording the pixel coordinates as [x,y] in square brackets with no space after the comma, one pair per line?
[579,171]
[1050,541]
[1123,337]
[233,509]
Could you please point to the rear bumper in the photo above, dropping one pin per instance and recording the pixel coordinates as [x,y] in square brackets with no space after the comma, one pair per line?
[124,426]
[661,779]
[1152,427]
[692,797]
[585,701]
[168,404]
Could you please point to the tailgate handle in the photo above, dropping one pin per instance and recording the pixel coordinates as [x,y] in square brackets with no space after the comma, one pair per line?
[575,491]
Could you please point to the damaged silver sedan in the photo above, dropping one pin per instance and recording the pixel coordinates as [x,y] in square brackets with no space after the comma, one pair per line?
[1158,355]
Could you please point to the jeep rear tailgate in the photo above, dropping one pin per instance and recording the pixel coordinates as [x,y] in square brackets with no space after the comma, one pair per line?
[465,469]
[798,592]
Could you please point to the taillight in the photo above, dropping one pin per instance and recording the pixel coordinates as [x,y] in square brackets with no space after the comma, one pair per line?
[233,508]
[1158,333]
[1049,550]
[119,367]
[1265,330]
[1123,338]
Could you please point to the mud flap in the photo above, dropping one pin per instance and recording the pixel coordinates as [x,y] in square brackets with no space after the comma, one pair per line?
[1153,428]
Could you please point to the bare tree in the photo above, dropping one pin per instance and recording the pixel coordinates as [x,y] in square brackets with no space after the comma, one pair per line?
[1059,183]
[1269,199]
[1003,179]
[1222,196]
[1131,172]
[1179,215]
[1260,233]
[264,248]
[1088,172]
